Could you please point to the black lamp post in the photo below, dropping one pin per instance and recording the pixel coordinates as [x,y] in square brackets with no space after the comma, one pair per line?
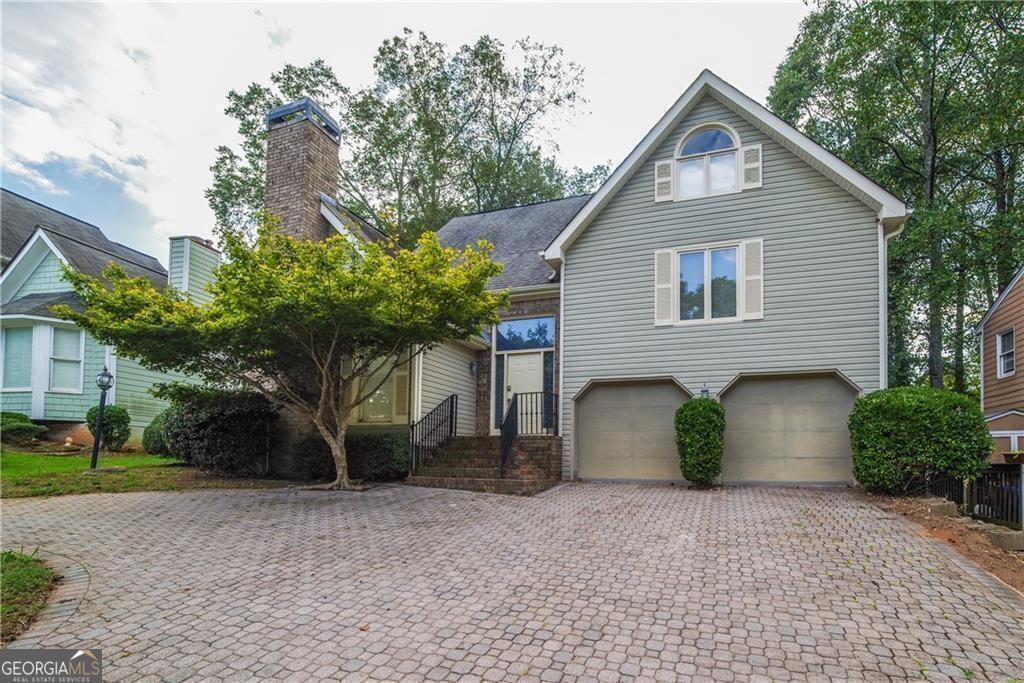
[104,381]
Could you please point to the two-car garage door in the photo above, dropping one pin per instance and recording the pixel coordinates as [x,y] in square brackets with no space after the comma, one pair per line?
[789,428]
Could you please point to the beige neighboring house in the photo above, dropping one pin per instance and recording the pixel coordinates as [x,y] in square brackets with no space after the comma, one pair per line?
[1002,377]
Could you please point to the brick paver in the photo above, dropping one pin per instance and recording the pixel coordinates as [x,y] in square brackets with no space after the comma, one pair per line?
[598,582]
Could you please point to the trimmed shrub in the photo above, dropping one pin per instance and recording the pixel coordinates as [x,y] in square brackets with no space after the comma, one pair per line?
[225,432]
[17,431]
[902,436]
[700,439]
[371,457]
[117,428]
[153,437]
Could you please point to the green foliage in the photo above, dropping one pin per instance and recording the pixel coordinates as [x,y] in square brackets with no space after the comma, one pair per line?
[925,99]
[700,434]
[117,428]
[300,322]
[439,133]
[25,583]
[903,435]
[17,429]
[153,441]
[224,432]
[371,457]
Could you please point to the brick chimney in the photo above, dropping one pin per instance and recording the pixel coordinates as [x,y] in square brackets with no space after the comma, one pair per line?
[302,162]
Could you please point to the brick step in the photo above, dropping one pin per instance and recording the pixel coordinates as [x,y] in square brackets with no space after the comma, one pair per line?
[442,460]
[518,487]
[433,470]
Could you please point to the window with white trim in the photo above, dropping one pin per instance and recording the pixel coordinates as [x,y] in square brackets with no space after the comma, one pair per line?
[1006,360]
[705,283]
[389,403]
[16,358]
[709,160]
[66,360]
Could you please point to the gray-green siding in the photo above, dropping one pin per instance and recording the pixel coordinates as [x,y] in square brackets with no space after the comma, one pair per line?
[201,262]
[16,402]
[821,279]
[176,262]
[45,279]
[132,390]
[445,372]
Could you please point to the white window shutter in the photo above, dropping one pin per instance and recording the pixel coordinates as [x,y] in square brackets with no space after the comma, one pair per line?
[663,287]
[663,181]
[750,157]
[752,295]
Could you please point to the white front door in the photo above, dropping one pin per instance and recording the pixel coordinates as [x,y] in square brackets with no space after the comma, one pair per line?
[525,373]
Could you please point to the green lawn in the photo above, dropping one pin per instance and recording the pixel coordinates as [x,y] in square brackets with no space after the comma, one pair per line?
[32,474]
[25,583]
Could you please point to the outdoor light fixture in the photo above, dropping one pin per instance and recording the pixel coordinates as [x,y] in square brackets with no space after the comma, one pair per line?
[104,380]
[704,393]
[472,367]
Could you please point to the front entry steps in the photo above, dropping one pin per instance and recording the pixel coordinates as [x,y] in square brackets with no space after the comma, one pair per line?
[473,463]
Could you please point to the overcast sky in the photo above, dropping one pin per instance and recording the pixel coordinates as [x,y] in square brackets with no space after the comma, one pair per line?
[111,112]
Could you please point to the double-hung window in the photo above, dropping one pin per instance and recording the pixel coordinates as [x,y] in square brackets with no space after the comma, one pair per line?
[389,402]
[707,284]
[66,360]
[1006,360]
[714,282]
[17,358]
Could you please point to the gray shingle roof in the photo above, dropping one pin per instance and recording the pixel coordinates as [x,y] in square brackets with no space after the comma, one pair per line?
[39,304]
[518,234]
[82,244]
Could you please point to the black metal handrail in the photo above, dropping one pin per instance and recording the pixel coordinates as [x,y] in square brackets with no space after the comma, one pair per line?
[538,412]
[509,431]
[432,431]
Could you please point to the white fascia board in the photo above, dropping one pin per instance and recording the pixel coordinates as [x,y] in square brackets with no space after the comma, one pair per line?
[891,210]
[25,262]
[1002,297]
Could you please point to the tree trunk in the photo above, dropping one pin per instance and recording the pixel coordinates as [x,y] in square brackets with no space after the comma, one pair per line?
[935,260]
[341,480]
[959,374]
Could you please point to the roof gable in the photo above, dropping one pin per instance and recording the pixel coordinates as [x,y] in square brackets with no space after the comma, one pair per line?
[1018,279]
[891,210]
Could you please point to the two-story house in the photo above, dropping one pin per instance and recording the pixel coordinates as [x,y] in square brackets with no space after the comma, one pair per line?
[1002,381]
[48,365]
[728,255]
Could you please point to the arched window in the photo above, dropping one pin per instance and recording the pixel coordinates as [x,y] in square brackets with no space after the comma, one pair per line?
[707,162]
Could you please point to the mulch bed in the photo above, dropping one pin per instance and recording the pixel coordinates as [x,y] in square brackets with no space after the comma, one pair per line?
[973,544]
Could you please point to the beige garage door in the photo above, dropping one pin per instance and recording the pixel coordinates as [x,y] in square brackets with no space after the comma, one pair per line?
[788,429]
[625,430]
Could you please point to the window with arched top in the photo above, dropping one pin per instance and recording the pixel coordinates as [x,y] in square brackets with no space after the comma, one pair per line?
[709,160]
[706,162]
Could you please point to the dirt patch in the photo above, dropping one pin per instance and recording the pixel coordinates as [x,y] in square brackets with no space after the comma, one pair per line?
[971,543]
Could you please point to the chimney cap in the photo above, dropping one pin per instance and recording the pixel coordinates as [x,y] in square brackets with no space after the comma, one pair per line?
[304,109]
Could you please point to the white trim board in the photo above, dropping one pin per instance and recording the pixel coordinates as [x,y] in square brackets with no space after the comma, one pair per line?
[25,263]
[891,211]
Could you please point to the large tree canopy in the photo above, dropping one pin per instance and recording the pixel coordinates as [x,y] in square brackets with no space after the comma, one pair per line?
[926,98]
[316,327]
[438,134]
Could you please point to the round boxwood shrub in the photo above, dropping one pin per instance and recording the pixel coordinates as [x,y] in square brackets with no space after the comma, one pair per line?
[902,436]
[153,437]
[700,439]
[117,427]
[224,432]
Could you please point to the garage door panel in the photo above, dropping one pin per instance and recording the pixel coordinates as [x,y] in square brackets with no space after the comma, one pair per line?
[787,429]
[626,431]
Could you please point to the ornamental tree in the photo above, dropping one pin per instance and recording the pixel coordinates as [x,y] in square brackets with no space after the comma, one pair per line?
[316,327]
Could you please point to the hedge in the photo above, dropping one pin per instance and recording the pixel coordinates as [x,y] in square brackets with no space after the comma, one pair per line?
[700,440]
[371,457]
[225,432]
[902,436]
[117,427]
[18,429]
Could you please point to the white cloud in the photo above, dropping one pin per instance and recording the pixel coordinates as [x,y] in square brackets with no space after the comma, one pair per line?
[136,92]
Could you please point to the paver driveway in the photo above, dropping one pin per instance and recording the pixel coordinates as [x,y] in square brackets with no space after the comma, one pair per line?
[601,581]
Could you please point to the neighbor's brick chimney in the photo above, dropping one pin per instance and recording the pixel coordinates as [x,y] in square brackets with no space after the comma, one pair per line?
[302,162]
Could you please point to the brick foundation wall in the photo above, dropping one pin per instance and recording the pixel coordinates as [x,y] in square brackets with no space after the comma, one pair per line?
[516,309]
[302,162]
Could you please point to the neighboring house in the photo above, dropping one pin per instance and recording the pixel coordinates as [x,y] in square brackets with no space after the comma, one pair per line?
[728,255]
[48,365]
[1002,378]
